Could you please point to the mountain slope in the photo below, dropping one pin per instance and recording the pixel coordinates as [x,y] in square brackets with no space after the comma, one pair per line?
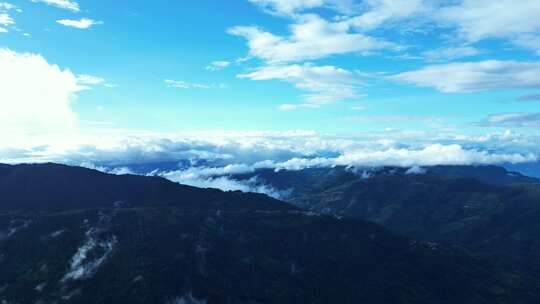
[154,255]
[206,248]
[455,205]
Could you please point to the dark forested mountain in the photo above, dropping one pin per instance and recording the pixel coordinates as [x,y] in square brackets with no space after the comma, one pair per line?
[59,187]
[72,235]
[489,211]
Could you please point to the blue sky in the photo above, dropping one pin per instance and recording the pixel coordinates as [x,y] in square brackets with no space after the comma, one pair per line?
[413,73]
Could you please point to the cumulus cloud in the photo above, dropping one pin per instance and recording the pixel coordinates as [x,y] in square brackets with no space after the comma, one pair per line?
[466,77]
[63,4]
[36,96]
[83,23]
[323,84]
[525,119]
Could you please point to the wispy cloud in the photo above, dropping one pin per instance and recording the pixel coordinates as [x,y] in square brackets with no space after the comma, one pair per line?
[7,6]
[217,65]
[531,97]
[450,53]
[323,84]
[311,37]
[477,20]
[88,81]
[180,84]
[467,77]
[513,120]
[63,4]
[83,23]
[388,118]
[6,20]
[288,7]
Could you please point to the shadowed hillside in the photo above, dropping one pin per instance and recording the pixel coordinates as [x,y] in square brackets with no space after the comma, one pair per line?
[206,246]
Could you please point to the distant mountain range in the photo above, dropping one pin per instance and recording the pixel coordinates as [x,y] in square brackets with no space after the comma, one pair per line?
[530,169]
[74,235]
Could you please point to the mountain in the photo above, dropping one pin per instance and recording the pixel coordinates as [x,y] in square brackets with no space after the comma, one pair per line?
[530,169]
[493,213]
[168,243]
[59,187]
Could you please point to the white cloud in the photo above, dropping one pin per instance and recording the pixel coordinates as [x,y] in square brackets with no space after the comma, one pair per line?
[388,118]
[311,37]
[217,65]
[358,108]
[6,20]
[3,30]
[434,154]
[179,84]
[290,7]
[528,42]
[471,20]
[415,170]
[323,84]
[88,81]
[36,96]
[83,23]
[63,4]
[209,159]
[286,107]
[384,12]
[475,76]
[516,120]
[7,6]
[483,19]
[196,177]
[450,53]
[413,158]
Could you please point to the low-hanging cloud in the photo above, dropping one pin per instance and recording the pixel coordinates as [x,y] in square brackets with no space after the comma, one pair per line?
[212,159]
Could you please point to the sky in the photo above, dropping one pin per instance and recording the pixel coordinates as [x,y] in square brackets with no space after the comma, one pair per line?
[240,82]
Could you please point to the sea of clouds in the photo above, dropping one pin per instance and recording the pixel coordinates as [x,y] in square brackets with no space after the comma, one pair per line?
[209,159]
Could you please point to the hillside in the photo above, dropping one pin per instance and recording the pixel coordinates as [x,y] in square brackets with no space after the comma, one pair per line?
[225,248]
[487,210]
